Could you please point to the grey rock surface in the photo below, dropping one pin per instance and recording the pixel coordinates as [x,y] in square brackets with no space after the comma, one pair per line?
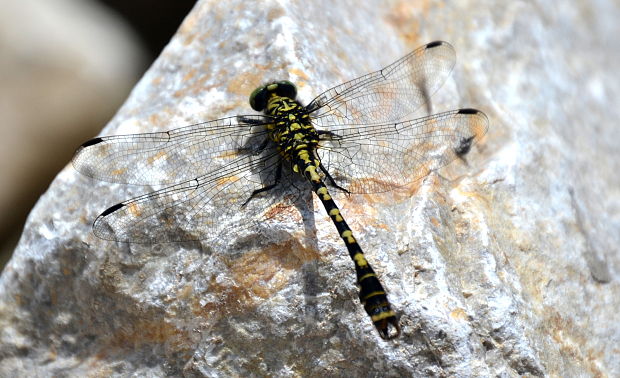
[504,265]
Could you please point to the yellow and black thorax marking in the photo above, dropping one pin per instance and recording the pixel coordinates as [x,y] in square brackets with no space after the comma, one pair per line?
[292,132]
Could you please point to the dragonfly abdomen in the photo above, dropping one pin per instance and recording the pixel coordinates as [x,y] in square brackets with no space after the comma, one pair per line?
[372,294]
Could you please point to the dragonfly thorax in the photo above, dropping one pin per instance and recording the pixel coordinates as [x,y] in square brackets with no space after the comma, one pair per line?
[291,130]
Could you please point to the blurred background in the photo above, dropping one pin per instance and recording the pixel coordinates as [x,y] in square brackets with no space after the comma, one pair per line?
[65,67]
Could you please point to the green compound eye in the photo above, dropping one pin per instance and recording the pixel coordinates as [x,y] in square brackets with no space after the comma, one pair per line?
[286,89]
[259,97]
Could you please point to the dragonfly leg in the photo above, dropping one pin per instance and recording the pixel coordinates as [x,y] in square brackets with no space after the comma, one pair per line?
[250,121]
[330,134]
[268,187]
[331,180]
[255,151]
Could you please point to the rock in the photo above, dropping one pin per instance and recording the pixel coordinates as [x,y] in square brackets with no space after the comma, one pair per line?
[502,264]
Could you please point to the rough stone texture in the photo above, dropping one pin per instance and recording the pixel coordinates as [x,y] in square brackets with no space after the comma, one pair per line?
[504,266]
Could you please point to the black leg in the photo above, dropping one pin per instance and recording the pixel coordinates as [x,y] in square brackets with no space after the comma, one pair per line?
[331,179]
[262,146]
[256,151]
[331,135]
[268,187]
[251,121]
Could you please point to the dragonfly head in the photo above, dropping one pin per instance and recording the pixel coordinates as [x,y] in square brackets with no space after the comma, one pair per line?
[260,96]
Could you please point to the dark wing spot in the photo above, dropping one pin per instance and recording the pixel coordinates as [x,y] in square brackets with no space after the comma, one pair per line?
[111,209]
[434,44]
[468,111]
[92,142]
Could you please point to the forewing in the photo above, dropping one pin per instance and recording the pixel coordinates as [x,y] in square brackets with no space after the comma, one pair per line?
[379,158]
[210,206]
[171,156]
[388,94]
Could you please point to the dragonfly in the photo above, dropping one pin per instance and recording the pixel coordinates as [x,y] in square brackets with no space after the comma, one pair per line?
[225,175]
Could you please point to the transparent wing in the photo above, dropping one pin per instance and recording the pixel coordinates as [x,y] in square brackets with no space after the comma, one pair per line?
[171,156]
[209,206]
[378,158]
[388,94]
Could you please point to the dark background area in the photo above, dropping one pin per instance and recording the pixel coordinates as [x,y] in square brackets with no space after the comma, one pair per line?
[153,22]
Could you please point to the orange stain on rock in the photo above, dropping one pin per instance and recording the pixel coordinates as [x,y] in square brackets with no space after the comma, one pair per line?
[244,83]
[134,209]
[268,271]
[283,212]
[573,343]
[147,334]
[228,155]
[160,155]
[458,314]
[256,276]
[226,180]
[405,17]
[118,172]
[190,74]
[299,73]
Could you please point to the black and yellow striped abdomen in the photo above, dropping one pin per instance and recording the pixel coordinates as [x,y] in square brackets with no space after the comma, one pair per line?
[296,139]
[372,294]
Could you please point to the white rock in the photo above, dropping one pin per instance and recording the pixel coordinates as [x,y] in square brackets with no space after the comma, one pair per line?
[505,266]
